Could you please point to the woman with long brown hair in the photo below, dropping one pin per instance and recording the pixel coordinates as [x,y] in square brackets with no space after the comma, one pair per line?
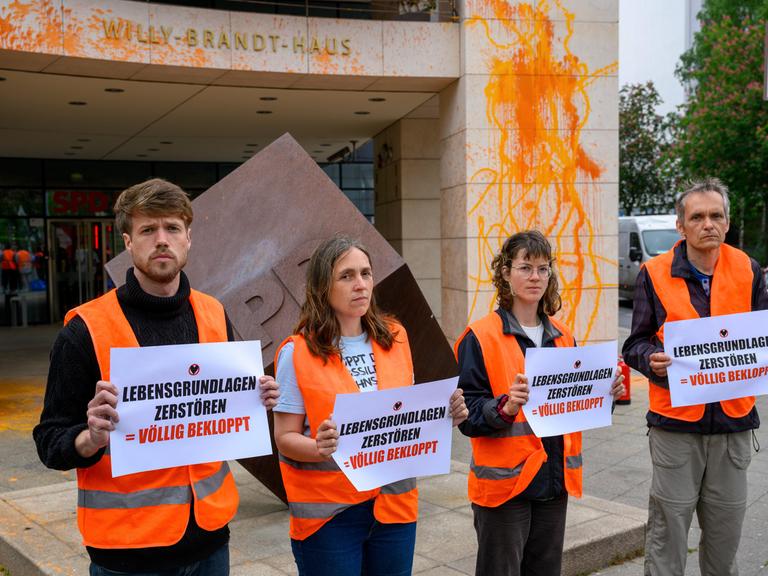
[342,343]
[518,483]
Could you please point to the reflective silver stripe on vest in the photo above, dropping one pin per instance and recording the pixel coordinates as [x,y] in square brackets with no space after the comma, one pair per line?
[399,487]
[208,486]
[316,509]
[517,429]
[573,461]
[493,473]
[324,466]
[101,500]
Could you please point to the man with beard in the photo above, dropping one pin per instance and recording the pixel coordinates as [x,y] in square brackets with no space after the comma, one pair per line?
[170,521]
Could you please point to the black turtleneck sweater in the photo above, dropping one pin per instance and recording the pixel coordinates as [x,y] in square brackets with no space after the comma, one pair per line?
[72,378]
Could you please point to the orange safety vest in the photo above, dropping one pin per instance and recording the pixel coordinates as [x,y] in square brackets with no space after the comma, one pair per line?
[24,260]
[505,463]
[730,293]
[148,509]
[317,491]
[9,260]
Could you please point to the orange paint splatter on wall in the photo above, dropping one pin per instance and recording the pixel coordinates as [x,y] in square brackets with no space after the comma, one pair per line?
[538,104]
[31,26]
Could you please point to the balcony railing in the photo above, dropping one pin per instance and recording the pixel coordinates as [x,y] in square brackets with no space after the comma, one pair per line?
[422,10]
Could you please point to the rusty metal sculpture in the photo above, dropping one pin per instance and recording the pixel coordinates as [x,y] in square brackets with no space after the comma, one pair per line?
[252,236]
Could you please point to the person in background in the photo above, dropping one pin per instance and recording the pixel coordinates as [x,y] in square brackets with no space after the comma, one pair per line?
[342,344]
[24,259]
[9,270]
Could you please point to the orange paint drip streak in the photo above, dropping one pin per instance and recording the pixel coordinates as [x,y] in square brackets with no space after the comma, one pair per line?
[532,100]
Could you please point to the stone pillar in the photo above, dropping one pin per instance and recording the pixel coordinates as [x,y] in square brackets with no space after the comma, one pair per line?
[529,139]
[407,209]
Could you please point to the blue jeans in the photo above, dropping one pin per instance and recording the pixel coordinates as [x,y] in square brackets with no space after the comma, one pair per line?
[217,564]
[355,543]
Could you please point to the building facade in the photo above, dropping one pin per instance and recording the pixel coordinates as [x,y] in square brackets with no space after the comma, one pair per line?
[482,118]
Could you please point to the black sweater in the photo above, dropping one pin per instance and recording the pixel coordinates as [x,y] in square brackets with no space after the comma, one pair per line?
[72,378]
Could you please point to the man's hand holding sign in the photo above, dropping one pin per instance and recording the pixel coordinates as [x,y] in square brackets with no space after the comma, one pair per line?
[717,358]
[183,404]
[103,415]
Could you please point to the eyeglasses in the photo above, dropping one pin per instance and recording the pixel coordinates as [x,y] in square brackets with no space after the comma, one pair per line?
[526,270]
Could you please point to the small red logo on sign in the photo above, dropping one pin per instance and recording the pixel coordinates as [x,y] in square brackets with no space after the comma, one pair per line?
[194,369]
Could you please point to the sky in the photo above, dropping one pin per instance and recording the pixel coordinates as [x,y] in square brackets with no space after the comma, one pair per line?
[652,36]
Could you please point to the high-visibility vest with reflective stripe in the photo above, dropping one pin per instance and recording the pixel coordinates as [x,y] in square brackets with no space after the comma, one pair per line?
[504,463]
[729,293]
[317,491]
[148,509]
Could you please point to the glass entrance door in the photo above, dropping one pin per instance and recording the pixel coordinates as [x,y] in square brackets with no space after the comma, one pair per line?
[78,251]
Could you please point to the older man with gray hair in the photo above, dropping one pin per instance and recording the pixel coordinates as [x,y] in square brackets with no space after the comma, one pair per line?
[700,453]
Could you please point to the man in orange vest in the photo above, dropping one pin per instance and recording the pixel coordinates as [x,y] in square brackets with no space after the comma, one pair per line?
[700,454]
[24,266]
[173,520]
[9,270]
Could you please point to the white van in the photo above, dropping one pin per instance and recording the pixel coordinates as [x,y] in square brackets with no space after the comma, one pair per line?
[640,239]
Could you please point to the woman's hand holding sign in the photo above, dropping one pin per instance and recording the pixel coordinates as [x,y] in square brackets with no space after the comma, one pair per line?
[458,408]
[617,388]
[327,438]
[269,392]
[518,395]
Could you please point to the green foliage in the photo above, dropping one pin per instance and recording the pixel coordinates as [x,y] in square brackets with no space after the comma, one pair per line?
[714,10]
[723,128]
[643,138]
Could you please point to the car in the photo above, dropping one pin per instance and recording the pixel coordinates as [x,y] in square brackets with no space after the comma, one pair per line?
[640,239]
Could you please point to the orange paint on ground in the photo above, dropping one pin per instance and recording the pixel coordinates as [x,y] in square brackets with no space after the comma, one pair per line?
[534,99]
[21,401]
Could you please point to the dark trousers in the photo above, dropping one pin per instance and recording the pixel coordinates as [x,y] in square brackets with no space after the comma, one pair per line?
[521,537]
[217,564]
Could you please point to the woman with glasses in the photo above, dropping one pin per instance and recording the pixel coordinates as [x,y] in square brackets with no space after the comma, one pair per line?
[518,483]
[342,344]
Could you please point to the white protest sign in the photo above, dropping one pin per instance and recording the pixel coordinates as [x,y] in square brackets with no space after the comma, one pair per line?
[393,434]
[717,358]
[569,388]
[187,404]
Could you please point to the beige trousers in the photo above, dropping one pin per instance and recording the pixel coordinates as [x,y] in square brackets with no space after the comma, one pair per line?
[705,473]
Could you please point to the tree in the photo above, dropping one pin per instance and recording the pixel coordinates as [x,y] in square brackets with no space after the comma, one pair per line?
[643,139]
[723,128]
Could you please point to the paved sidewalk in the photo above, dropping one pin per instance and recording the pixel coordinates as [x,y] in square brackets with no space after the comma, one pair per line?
[38,533]
[617,467]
